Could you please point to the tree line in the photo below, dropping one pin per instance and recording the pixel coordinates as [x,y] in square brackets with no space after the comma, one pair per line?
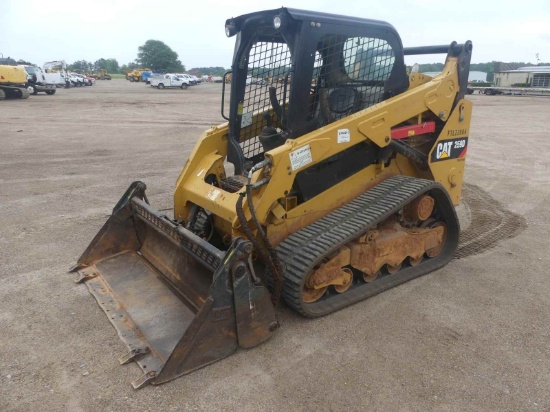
[158,56]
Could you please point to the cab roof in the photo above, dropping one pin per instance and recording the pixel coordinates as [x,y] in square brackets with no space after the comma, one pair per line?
[310,16]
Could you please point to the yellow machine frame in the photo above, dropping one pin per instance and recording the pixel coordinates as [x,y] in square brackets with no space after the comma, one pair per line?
[278,212]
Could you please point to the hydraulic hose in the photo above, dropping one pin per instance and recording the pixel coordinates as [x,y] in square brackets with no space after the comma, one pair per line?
[262,251]
[273,261]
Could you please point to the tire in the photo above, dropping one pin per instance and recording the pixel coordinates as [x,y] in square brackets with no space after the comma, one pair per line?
[132,79]
[50,92]
[160,86]
[31,89]
[184,86]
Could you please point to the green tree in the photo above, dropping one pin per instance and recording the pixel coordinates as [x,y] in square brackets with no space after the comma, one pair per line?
[20,61]
[205,71]
[110,65]
[128,67]
[81,66]
[156,55]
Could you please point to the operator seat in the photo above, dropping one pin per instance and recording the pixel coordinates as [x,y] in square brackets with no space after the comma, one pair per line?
[338,102]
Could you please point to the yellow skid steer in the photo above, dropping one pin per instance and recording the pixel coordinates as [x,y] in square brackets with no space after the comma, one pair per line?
[334,179]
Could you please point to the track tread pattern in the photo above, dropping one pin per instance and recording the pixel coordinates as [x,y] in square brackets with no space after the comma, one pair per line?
[302,251]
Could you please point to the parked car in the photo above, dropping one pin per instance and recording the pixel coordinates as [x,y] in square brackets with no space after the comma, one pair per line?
[169,80]
[192,80]
[76,80]
[91,80]
[83,80]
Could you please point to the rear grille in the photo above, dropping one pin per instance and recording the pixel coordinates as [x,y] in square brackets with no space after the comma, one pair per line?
[233,183]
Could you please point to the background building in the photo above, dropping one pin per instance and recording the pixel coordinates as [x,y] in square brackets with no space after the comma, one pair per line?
[534,76]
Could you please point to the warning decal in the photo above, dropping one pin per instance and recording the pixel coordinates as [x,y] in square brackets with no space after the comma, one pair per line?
[300,157]
[449,149]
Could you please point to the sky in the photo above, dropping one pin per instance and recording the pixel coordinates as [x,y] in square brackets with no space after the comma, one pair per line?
[40,31]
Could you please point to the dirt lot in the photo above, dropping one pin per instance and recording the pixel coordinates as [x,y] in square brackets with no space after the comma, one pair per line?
[474,335]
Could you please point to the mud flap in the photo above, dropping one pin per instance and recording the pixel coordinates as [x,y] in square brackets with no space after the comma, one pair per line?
[177,302]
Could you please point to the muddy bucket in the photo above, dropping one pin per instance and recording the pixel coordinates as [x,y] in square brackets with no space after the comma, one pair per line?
[178,302]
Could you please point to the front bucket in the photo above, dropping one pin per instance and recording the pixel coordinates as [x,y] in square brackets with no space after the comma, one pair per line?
[178,302]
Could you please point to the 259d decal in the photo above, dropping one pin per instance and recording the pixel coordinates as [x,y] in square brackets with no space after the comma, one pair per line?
[450,149]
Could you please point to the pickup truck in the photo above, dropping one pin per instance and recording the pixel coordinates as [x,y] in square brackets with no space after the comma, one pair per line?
[169,80]
[36,81]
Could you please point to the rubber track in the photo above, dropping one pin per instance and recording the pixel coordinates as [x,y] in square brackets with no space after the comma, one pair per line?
[302,251]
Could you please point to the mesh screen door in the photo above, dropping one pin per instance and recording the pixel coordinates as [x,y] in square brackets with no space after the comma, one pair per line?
[268,66]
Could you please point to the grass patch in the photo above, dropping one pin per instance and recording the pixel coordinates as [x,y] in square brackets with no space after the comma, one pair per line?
[117,76]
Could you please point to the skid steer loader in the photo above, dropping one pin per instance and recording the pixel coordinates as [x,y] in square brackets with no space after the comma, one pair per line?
[334,179]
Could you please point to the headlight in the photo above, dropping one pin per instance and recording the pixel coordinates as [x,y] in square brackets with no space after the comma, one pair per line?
[277,22]
[230,30]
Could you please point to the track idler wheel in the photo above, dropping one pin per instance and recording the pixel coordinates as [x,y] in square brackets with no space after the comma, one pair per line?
[431,224]
[334,271]
[310,295]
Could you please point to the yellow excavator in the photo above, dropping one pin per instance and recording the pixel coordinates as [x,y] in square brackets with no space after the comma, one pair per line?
[99,74]
[13,80]
[331,184]
[136,75]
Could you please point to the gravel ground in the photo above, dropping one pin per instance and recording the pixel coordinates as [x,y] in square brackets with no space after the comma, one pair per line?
[471,336]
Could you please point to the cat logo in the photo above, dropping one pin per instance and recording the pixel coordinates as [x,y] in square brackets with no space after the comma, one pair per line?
[450,149]
[443,150]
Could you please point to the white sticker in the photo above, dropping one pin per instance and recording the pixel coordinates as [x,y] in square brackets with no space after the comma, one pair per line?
[300,157]
[213,194]
[246,119]
[343,136]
